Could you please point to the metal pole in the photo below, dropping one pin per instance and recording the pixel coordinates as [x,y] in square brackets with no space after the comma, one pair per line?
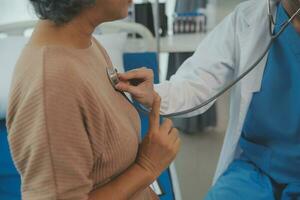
[157,28]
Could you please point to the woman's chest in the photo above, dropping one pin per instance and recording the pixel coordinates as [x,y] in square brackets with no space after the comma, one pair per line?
[113,125]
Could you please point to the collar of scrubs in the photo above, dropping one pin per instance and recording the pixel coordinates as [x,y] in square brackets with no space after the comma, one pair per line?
[290,34]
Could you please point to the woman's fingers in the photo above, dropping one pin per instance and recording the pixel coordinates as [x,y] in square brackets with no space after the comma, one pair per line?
[166,126]
[177,145]
[174,135]
[154,116]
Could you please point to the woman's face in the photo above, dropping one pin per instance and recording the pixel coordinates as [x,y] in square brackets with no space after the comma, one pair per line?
[113,9]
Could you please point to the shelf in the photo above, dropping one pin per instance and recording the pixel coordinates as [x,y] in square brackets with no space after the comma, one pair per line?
[170,44]
[181,42]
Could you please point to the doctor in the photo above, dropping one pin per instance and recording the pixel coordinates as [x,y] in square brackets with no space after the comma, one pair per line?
[260,158]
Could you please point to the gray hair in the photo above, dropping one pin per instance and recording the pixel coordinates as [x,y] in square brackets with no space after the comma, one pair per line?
[59,11]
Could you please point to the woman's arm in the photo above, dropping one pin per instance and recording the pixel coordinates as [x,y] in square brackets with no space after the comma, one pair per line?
[47,136]
[131,181]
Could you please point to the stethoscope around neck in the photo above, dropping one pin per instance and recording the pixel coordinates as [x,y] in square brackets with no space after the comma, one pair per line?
[113,75]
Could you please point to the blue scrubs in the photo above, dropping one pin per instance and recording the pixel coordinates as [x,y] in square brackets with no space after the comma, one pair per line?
[269,167]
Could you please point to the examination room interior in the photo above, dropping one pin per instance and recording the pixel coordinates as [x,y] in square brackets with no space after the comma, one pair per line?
[201,136]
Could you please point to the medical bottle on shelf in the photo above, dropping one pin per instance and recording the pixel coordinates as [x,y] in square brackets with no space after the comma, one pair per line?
[181,25]
[175,26]
[187,24]
[197,22]
[193,25]
[205,23]
[201,23]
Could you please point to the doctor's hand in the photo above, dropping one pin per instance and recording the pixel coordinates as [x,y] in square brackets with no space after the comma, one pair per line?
[139,83]
[160,145]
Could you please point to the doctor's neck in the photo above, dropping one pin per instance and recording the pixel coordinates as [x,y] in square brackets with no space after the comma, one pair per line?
[291,6]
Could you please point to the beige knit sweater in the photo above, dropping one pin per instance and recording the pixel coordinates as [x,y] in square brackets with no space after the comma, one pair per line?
[69,130]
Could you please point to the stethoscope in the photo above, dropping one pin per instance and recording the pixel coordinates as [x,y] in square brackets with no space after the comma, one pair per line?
[113,75]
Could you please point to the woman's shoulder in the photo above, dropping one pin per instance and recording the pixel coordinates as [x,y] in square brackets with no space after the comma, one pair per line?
[47,67]
[53,61]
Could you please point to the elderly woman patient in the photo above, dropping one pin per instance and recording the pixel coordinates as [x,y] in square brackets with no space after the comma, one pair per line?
[72,136]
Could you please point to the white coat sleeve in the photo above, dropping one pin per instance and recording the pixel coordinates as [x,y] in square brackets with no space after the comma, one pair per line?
[204,74]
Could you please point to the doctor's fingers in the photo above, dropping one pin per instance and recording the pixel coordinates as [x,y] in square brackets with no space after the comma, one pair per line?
[127,87]
[142,73]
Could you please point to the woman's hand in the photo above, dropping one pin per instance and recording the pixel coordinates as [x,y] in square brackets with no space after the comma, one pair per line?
[161,144]
[139,83]
[156,152]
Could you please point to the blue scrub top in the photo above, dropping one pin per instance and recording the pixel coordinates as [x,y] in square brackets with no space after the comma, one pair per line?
[271,132]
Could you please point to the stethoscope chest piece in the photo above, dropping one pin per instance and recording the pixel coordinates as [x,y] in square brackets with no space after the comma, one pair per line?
[112,74]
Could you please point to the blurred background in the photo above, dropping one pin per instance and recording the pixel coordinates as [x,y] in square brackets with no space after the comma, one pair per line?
[182,26]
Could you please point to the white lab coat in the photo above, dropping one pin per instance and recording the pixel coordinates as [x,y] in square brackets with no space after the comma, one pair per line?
[225,53]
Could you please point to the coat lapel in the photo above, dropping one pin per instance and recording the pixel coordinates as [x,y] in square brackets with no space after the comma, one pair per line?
[254,40]
[252,48]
